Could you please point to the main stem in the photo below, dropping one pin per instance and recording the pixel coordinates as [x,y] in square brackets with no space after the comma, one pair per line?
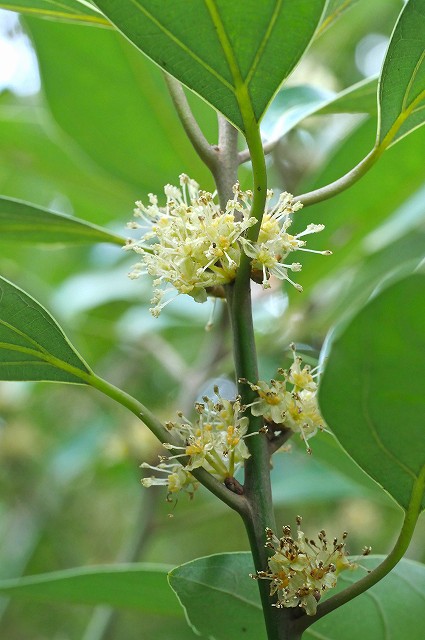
[257,487]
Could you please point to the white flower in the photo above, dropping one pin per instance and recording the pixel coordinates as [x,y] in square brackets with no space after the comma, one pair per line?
[301,570]
[274,243]
[195,244]
[191,246]
[214,441]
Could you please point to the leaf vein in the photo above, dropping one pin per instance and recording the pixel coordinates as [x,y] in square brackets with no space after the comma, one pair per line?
[182,46]
[263,43]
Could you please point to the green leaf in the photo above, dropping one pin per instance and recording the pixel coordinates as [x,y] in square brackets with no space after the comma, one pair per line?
[32,345]
[142,587]
[399,173]
[371,393]
[132,132]
[359,98]
[233,611]
[292,105]
[24,222]
[39,164]
[222,602]
[334,10]
[242,57]
[402,81]
[68,10]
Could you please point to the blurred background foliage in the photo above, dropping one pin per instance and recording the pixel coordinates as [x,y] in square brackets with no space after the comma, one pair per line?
[87,127]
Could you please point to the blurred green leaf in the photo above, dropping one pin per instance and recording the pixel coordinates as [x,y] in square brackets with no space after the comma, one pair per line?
[292,105]
[24,222]
[359,98]
[142,587]
[116,107]
[334,10]
[402,81]
[32,345]
[234,609]
[238,63]
[371,394]
[69,10]
[351,215]
[39,164]
[300,478]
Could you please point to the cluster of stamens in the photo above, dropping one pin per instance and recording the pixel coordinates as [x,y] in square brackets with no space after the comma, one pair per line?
[193,247]
[214,441]
[290,403]
[300,569]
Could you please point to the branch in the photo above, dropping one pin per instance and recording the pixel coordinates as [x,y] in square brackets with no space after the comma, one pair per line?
[205,151]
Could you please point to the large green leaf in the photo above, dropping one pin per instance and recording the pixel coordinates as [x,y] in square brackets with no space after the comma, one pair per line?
[222,602]
[371,393]
[141,587]
[244,53]
[116,107]
[402,81]
[221,580]
[69,10]
[32,345]
[24,222]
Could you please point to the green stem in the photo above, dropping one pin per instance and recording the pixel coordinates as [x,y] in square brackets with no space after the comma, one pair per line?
[257,487]
[205,151]
[383,569]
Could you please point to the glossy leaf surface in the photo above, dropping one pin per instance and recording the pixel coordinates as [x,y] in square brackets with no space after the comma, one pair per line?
[69,10]
[371,393]
[239,62]
[402,82]
[25,223]
[32,345]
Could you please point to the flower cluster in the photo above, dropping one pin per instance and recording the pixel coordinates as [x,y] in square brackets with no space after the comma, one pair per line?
[196,245]
[291,402]
[191,246]
[274,243]
[214,441]
[300,570]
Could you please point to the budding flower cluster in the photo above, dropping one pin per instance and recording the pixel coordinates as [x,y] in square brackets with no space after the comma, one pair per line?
[214,441]
[290,402]
[301,570]
[191,246]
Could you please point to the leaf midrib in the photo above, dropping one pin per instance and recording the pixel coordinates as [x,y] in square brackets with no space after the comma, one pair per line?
[182,46]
